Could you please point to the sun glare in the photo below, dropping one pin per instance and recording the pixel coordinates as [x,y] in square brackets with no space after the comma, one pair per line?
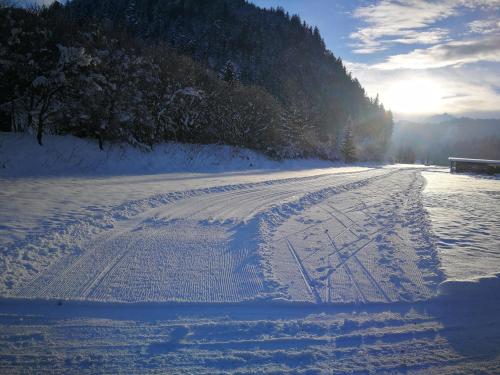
[414,96]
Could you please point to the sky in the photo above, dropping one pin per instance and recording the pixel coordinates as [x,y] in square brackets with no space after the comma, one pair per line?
[421,57]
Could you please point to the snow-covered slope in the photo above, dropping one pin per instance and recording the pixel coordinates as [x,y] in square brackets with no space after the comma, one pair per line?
[70,156]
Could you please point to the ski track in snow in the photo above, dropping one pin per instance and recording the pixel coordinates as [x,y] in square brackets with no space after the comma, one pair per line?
[25,257]
[358,246]
[253,241]
[341,270]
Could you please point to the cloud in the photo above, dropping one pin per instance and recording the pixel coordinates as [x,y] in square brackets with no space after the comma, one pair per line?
[454,53]
[469,90]
[487,26]
[390,22]
[482,4]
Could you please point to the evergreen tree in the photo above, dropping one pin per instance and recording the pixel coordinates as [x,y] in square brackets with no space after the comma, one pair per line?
[229,73]
[131,13]
[270,49]
[347,148]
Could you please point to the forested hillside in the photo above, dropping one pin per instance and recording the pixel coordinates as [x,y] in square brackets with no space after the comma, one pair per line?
[212,71]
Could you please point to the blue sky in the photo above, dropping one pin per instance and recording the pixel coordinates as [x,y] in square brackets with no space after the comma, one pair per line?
[421,56]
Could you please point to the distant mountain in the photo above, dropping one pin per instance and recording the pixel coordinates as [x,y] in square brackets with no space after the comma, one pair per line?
[436,119]
[436,141]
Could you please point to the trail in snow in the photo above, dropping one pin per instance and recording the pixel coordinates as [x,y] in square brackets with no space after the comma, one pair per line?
[69,235]
[357,245]
[290,271]
[252,241]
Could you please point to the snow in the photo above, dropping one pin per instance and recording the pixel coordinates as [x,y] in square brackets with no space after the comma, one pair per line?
[464,210]
[212,259]
[357,246]
[71,156]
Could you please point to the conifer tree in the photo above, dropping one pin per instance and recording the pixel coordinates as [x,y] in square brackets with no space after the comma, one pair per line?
[229,73]
[347,148]
[131,13]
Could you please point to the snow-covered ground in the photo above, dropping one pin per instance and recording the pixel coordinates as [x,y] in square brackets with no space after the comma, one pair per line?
[465,211]
[212,259]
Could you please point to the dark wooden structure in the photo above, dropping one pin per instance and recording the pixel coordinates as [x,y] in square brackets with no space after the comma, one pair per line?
[460,165]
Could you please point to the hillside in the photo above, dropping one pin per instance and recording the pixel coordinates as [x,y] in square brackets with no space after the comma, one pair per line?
[216,71]
[269,48]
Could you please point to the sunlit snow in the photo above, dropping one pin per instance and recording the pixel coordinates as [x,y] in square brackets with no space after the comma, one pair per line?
[208,259]
[464,210]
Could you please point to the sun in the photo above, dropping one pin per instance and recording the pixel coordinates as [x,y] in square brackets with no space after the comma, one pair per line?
[414,96]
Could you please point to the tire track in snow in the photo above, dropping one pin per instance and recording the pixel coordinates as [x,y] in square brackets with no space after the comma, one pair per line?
[230,338]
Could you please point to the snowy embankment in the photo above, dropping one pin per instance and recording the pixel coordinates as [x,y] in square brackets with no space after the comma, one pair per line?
[70,156]
[465,214]
[255,267]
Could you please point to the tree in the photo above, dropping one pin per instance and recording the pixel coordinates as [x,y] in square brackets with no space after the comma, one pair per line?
[131,13]
[347,148]
[229,73]
[63,71]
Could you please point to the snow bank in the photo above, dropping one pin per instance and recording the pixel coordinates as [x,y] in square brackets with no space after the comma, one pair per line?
[66,155]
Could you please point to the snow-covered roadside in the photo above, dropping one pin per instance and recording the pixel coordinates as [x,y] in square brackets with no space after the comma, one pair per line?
[52,196]
[46,217]
[54,224]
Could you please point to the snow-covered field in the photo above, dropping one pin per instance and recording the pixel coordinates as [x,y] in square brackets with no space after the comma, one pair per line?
[130,262]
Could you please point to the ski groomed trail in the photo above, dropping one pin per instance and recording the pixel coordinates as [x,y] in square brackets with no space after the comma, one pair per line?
[337,271]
